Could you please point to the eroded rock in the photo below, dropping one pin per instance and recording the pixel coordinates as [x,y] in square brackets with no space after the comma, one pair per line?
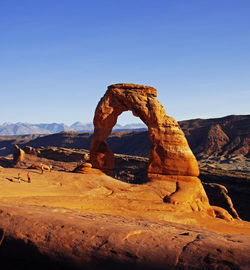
[86,168]
[30,150]
[170,160]
[46,238]
[218,196]
[18,155]
[169,154]
[39,166]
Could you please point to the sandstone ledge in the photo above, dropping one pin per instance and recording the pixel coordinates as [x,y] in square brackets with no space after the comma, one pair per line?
[97,241]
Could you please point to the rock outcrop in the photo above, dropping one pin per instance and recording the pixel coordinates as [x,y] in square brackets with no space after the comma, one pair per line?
[218,196]
[39,166]
[18,155]
[225,136]
[171,161]
[86,168]
[30,150]
[198,133]
[169,154]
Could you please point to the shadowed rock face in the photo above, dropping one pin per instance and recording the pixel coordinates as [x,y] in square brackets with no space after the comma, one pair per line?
[218,195]
[169,153]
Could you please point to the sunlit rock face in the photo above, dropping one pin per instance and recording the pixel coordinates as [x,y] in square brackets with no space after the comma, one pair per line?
[170,161]
[18,155]
[169,154]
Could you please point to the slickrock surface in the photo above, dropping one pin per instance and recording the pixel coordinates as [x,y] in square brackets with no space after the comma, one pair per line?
[99,241]
[101,194]
[96,222]
[88,220]
[127,168]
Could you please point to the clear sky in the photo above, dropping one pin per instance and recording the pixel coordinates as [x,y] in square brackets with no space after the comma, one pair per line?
[57,57]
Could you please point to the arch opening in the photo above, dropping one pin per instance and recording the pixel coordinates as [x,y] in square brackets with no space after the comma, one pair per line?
[126,121]
[131,146]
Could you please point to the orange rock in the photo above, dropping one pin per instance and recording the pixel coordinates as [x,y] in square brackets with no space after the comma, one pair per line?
[170,153]
[86,168]
[170,158]
[30,150]
[101,155]
[38,166]
[86,157]
[87,165]
[18,155]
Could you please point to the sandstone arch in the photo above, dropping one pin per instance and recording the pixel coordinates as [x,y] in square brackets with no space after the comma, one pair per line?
[169,153]
[170,159]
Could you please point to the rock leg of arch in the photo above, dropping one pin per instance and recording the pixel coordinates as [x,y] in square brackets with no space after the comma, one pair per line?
[170,159]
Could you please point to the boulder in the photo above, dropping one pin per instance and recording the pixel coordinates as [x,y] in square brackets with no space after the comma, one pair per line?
[38,166]
[87,165]
[86,168]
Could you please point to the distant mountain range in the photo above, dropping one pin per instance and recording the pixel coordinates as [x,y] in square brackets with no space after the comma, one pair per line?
[224,136]
[7,129]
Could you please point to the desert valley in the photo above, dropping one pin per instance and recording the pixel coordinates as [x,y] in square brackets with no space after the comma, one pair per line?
[144,199]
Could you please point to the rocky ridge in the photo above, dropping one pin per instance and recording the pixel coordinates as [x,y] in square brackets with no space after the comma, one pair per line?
[231,142]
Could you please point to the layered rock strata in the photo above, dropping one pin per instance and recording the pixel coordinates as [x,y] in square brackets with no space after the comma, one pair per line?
[170,161]
[169,154]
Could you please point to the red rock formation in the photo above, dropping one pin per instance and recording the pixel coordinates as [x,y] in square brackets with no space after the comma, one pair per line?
[216,139]
[86,168]
[218,196]
[31,150]
[218,136]
[39,166]
[169,154]
[170,159]
[18,155]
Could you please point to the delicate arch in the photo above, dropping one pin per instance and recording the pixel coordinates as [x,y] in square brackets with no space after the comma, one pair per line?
[169,153]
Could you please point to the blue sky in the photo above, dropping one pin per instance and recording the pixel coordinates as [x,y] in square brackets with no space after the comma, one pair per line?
[57,57]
